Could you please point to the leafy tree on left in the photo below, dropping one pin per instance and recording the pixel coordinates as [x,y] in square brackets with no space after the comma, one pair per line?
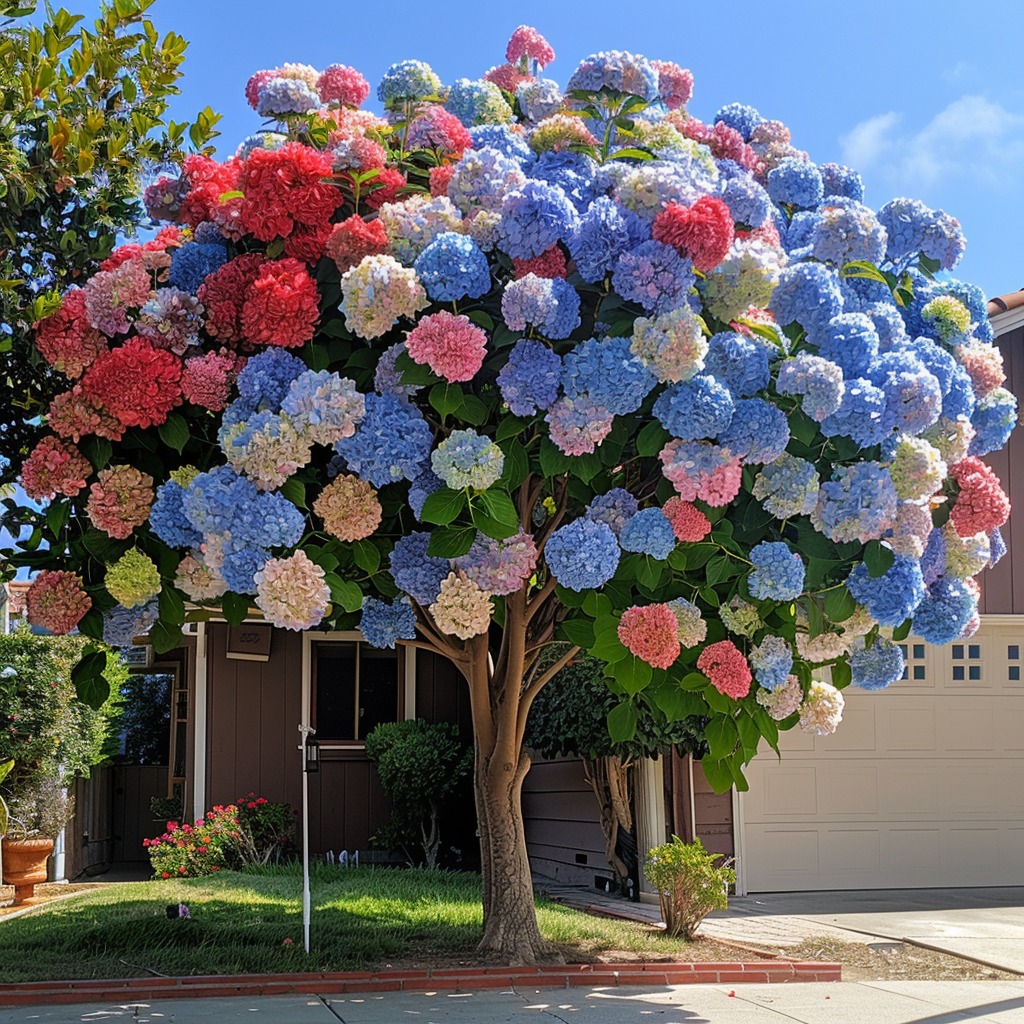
[82,122]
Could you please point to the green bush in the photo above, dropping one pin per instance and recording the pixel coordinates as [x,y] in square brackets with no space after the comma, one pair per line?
[688,883]
[420,766]
[267,831]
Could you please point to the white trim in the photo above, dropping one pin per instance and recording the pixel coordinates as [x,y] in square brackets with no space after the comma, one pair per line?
[409,682]
[738,842]
[1003,323]
[199,720]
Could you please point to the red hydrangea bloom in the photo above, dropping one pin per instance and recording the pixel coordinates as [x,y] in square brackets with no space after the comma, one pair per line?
[223,296]
[389,183]
[206,380]
[548,264]
[66,339]
[284,187]
[208,180]
[168,237]
[136,383]
[767,233]
[120,500]
[308,242]
[507,77]
[341,84]
[703,231]
[281,305]
[439,178]
[439,129]
[688,522]
[981,503]
[724,142]
[54,468]
[256,82]
[56,601]
[74,414]
[355,238]
[675,84]
[723,663]
[452,346]
[526,43]
[651,633]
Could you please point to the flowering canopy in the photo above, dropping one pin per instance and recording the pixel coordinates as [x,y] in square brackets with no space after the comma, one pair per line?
[389,370]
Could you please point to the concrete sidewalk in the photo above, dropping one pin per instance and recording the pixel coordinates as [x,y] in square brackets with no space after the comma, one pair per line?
[908,1002]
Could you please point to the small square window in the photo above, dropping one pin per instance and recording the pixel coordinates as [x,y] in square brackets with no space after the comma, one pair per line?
[958,672]
[919,671]
[906,652]
[958,650]
[918,650]
[1013,652]
[1015,673]
[974,672]
[974,650]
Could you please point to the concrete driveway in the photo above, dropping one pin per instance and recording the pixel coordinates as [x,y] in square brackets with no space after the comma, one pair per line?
[984,924]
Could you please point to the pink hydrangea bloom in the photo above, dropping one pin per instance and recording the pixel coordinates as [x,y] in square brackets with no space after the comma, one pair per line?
[206,380]
[507,77]
[56,601]
[981,504]
[688,522]
[577,426]
[500,566]
[723,663]
[119,500]
[462,609]
[291,592]
[343,85]
[109,295]
[782,702]
[452,346]
[717,487]
[54,468]
[675,84]
[349,508]
[651,633]
[526,43]
[984,365]
[66,339]
[910,530]
[198,580]
[822,711]
[75,414]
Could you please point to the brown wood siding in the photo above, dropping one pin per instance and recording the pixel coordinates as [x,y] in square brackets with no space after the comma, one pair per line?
[134,787]
[1002,588]
[93,820]
[563,831]
[712,812]
[441,693]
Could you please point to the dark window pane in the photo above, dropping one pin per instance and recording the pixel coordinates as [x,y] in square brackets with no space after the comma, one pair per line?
[958,650]
[378,689]
[335,691]
[1013,652]
[1015,673]
[958,672]
[918,650]
[974,672]
[919,671]
[974,651]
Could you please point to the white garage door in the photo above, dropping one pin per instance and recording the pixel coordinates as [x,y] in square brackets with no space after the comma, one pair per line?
[922,785]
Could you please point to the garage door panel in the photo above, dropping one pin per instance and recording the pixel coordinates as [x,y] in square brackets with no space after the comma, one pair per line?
[921,786]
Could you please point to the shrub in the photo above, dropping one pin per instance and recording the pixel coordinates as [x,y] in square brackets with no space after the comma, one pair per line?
[197,849]
[688,883]
[267,830]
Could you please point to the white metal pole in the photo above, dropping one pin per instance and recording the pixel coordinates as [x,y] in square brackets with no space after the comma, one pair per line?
[305,730]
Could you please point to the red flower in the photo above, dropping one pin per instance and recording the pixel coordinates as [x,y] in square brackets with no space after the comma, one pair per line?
[65,338]
[281,305]
[548,264]
[307,243]
[703,231]
[981,504]
[723,663]
[688,522]
[223,294]
[208,180]
[181,870]
[165,874]
[251,805]
[355,238]
[439,178]
[389,183]
[136,383]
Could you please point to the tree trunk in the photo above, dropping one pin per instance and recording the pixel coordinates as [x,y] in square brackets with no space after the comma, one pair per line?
[609,779]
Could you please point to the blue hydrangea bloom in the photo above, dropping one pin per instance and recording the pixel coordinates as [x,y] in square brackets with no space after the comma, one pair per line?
[758,431]
[795,182]
[214,500]
[383,624]
[467,459]
[618,70]
[482,178]
[540,98]
[959,400]
[997,545]
[933,561]
[241,565]
[421,488]
[507,142]
[573,173]
[861,414]
[974,298]
[416,572]
[582,554]
[549,304]
[850,341]
[877,666]
[122,625]
[935,359]
[913,396]
[282,96]
[994,418]
[608,372]
[840,180]
[167,517]
[818,380]
[408,80]
[534,218]
[655,276]
[807,293]
[695,409]
[529,380]
[392,441]
[846,230]
[453,267]
[741,117]
[739,362]
[788,487]
[889,325]
[892,597]
[798,234]
[191,262]
[946,609]
[272,521]
[476,100]
[858,503]
[616,508]
[748,202]
[650,533]
[266,378]
[859,294]
[772,662]
[914,227]
[604,233]
[778,573]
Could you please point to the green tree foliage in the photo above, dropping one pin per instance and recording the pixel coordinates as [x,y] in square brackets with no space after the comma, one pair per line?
[82,121]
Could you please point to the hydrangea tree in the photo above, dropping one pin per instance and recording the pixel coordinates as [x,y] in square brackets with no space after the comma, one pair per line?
[513,367]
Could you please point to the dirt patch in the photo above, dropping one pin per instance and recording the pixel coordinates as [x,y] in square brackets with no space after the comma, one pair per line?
[46,892]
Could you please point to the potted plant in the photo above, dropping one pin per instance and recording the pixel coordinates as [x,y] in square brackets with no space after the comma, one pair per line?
[35,812]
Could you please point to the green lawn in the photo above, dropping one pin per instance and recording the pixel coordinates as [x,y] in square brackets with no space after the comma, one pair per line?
[362,918]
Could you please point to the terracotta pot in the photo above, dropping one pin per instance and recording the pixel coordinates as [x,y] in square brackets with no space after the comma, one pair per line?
[24,862]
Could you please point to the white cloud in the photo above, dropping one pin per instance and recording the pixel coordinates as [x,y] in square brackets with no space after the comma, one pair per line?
[973,140]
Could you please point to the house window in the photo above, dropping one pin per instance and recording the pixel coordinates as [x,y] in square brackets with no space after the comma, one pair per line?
[969,653]
[1012,655]
[355,688]
[913,656]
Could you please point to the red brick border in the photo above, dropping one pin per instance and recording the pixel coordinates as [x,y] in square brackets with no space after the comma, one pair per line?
[458,979]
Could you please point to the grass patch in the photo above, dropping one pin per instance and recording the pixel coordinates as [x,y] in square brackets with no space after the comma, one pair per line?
[363,918]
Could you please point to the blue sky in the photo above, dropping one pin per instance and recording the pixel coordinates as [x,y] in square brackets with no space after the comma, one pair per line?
[921,98]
